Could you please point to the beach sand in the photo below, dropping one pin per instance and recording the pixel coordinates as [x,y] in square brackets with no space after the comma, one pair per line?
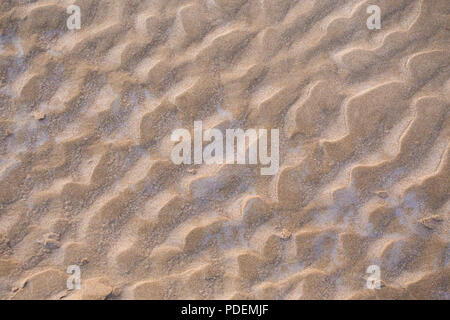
[86,177]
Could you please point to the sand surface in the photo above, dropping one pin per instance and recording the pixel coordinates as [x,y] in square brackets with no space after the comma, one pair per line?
[86,176]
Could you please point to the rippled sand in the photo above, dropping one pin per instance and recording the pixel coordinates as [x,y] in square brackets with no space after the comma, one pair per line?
[86,177]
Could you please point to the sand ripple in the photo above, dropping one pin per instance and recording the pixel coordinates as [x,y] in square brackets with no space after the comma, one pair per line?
[86,177]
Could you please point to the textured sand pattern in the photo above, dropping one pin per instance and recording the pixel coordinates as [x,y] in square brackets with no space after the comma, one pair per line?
[85,170]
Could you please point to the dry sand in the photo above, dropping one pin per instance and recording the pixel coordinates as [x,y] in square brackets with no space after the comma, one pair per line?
[86,177]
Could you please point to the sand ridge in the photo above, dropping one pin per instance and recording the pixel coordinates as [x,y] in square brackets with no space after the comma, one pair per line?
[86,177]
